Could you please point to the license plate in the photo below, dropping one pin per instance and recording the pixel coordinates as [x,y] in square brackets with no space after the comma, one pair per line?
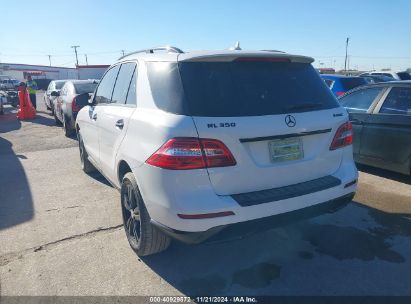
[286,149]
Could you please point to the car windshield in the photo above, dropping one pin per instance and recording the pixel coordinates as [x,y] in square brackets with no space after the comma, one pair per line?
[352,82]
[243,88]
[87,87]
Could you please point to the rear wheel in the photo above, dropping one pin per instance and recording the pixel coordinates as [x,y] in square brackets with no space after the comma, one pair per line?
[144,238]
[58,122]
[68,131]
[86,165]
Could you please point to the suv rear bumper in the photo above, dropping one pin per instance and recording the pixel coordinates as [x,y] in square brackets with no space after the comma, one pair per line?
[252,226]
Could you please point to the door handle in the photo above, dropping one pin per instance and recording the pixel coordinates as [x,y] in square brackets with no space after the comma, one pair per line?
[120,124]
[94,116]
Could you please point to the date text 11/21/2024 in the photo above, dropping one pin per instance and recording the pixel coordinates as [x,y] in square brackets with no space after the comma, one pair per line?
[205,299]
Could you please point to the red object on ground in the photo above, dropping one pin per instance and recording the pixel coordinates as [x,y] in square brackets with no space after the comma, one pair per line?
[26,110]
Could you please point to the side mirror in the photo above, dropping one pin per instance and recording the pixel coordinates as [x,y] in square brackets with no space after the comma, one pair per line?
[55,93]
[82,100]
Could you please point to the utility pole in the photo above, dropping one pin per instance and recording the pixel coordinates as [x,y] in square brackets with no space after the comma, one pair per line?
[49,59]
[122,51]
[346,54]
[75,51]
[86,58]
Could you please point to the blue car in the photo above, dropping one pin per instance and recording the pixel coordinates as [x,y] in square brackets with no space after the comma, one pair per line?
[340,84]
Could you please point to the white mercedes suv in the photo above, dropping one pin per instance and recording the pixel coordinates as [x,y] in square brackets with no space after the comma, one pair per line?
[201,142]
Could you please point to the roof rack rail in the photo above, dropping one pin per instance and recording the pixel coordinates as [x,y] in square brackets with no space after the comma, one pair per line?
[170,49]
[274,51]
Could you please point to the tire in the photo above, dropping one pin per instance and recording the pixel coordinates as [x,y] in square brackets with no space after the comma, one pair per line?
[144,238]
[67,130]
[58,122]
[86,165]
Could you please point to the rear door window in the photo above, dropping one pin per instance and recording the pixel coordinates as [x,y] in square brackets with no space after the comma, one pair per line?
[238,88]
[123,83]
[131,95]
[398,101]
[105,88]
[360,101]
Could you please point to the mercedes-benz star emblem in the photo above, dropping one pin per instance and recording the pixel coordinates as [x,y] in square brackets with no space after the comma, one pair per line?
[290,121]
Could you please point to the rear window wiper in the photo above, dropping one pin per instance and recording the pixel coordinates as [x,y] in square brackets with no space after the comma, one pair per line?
[304,106]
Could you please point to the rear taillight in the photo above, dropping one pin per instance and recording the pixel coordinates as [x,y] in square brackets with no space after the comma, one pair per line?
[343,136]
[183,153]
[74,106]
[339,93]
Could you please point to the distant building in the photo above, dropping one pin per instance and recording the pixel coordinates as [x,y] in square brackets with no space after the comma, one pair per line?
[326,71]
[21,71]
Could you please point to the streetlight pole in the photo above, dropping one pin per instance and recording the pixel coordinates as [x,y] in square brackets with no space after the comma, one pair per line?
[346,54]
[75,51]
[86,58]
[49,59]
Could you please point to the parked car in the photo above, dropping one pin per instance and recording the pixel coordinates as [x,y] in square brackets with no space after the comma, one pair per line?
[381,119]
[9,84]
[339,84]
[198,142]
[395,75]
[66,105]
[377,78]
[54,85]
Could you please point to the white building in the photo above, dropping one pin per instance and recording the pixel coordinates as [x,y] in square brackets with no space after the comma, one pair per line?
[44,74]
[21,71]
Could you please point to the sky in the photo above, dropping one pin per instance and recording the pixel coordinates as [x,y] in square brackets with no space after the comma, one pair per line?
[378,30]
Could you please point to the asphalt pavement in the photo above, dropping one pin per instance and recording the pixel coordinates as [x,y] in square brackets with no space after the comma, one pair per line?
[61,234]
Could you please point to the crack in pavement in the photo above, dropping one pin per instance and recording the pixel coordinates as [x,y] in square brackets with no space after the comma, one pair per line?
[59,209]
[12,256]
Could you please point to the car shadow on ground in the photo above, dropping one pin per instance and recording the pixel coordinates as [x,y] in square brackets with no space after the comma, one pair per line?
[296,259]
[402,178]
[16,204]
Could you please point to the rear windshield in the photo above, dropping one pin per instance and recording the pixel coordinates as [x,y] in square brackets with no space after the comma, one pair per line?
[404,76]
[226,89]
[351,83]
[59,85]
[84,87]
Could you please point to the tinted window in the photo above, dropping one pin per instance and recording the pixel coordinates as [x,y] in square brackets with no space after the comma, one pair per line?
[351,83]
[123,82]
[404,76]
[248,88]
[360,101]
[398,101]
[85,87]
[131,96]
[105,89]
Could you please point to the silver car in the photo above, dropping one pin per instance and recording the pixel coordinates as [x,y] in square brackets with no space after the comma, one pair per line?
[66,106]
[54,85]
